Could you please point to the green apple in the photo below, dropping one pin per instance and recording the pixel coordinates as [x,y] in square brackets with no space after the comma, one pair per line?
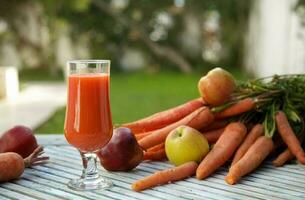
[185,144]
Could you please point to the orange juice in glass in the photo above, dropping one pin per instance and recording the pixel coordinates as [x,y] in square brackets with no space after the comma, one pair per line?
[88,123]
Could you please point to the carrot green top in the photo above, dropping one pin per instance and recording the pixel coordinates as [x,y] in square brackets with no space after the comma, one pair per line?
[272,94]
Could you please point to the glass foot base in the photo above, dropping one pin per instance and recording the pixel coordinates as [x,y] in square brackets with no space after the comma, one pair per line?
[91,184]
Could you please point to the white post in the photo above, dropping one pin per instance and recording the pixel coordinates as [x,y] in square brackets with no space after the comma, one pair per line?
[9,82]
[274,42]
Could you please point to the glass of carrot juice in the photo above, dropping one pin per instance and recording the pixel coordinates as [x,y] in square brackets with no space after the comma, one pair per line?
[88,123]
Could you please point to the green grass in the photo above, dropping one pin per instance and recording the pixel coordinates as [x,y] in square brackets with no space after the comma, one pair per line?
[40,74]
[136,95]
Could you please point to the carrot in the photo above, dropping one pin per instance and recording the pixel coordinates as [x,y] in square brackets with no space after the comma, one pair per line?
[155,155]
[236,109]
[289,137]
[255,133]
[284,157]
[139,136]
[256,154]
[162,119]
[12,164]
[224,148]
[213,135]
[197,119]
[157,147]
[217,124]
[166,176]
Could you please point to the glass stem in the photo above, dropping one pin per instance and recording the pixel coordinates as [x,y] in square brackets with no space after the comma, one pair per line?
[90,166]
[90,178]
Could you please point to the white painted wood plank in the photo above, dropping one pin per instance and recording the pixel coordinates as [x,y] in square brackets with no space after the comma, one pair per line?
[276,179]
[219,191]
[61,182]
[287,177]
[111,175]
[263,187]
[179,189]
[67,176]
[42,190]
[59,156]
[51,140]
[3,197]
[266,183]
[60,171]
[10,194]
[64,180]
[208,188]
[32,194]
[287,170]
[53,184]
[273,185]
[294,166]
[255,184]
[123,183]
[254,190]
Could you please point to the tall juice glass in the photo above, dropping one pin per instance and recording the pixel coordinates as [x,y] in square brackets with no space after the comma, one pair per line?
[88,123]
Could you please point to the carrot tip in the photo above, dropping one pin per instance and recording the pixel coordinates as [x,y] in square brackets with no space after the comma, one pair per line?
[275,164]
[230,180]
[134,187]
[302,160]
[199,176]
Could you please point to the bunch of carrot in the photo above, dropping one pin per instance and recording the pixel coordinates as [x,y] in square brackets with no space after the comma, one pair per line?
[245,129]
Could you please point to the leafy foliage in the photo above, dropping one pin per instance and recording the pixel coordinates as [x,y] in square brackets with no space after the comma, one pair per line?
[111,29]
[272,94]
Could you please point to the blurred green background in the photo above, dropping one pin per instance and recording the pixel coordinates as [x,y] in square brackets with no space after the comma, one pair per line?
[158,49]
[137,95]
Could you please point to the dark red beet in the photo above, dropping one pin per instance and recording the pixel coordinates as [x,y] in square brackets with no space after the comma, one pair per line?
[19,139]
[122,153]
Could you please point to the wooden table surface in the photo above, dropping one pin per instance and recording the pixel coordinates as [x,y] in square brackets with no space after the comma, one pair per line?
[49,181]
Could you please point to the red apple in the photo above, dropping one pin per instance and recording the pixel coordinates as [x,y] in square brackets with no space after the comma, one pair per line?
[19,139]
[216,87]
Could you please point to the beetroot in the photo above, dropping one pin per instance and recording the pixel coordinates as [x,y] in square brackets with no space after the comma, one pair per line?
[19,139]
[122,153]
